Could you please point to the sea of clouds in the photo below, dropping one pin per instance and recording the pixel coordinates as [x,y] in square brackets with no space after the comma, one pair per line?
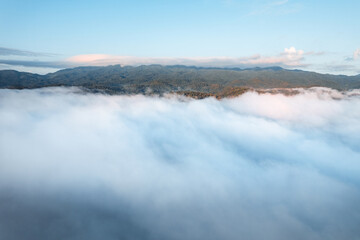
[76,165]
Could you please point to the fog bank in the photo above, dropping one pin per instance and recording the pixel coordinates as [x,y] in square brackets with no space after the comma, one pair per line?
[75,165]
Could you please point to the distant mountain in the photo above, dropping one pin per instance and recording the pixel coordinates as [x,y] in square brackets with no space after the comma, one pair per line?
[188,80]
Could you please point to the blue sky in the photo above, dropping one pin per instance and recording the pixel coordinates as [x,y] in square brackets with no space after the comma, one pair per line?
[322,36]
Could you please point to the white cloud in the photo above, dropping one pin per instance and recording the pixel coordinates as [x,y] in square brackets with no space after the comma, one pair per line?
[90,166]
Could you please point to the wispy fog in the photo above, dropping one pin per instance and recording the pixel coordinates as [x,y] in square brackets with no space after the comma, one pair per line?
[75,165]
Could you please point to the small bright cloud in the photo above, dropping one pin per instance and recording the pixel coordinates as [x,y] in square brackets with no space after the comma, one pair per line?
[292,51]
[356,54]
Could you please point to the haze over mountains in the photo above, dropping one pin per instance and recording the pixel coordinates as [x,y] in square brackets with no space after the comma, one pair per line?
[160,79]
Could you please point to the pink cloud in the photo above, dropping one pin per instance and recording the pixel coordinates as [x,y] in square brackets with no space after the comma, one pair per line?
[88,58]
[290,57]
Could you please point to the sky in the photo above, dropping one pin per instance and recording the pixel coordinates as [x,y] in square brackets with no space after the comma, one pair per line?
[44,36]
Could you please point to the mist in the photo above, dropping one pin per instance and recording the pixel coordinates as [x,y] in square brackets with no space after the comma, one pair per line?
[77,165]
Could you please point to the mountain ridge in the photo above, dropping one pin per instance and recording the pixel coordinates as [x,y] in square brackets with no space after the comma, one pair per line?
[159,79]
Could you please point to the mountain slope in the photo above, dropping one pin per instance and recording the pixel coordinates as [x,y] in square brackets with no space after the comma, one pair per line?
[161,79]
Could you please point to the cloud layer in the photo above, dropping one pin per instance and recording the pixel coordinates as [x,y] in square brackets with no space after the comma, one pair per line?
[289,58]
[18,52]
[84,166]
